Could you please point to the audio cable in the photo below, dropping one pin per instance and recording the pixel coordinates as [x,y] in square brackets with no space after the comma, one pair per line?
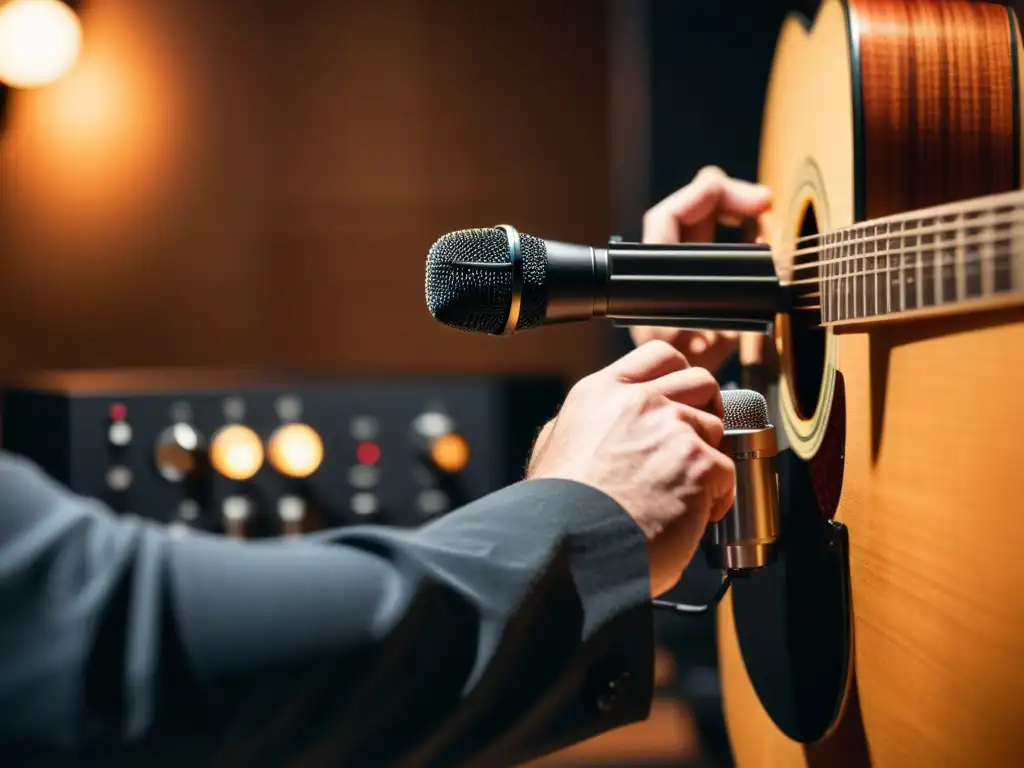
[716,598]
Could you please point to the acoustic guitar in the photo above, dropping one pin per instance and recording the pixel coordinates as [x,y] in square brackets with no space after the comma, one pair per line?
[891,632]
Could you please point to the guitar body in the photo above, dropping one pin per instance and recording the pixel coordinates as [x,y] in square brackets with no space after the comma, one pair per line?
[875,108]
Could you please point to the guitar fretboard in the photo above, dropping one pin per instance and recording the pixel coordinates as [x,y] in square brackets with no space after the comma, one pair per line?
[949,256]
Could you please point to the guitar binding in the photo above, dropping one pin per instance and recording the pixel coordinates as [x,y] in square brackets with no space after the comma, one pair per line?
[793,618]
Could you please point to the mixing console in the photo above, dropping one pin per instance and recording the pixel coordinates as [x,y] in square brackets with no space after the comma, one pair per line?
[247,457]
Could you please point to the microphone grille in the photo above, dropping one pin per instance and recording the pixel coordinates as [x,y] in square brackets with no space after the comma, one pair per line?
[469,280]
[744,409]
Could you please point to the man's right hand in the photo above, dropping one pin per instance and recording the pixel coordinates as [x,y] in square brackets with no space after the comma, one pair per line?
[645,431]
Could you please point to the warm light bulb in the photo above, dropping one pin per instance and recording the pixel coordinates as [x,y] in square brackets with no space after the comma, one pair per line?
[450,453]
[39,41]
[236,452]
[296,450]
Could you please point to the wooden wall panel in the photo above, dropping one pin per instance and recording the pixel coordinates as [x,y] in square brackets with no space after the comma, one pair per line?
[130,203]
[258,183]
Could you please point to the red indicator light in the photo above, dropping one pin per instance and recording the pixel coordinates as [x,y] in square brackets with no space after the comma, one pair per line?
[368,453]
[118,412]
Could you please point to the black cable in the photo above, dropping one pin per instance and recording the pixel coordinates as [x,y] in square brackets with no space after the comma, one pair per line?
[668,605]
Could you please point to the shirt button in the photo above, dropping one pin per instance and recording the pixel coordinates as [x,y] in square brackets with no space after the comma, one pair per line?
[607,698]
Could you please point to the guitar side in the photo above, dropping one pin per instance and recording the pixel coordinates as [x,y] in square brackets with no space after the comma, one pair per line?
[928,489]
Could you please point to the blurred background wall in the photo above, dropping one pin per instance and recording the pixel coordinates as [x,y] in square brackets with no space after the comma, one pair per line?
[258,183]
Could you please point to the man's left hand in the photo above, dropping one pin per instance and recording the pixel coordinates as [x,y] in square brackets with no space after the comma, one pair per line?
[691,215]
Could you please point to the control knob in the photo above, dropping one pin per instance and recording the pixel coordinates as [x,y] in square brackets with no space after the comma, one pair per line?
[178,452]
[296,451]
[442,448]
[236,453]
[443,453]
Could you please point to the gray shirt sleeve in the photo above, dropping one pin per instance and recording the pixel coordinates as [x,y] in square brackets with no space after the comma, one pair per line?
[506,629]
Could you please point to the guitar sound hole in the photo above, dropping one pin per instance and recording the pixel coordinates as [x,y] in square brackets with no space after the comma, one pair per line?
[807,342]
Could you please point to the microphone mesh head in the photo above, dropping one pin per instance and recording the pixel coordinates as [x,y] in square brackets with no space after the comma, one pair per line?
[744,409]
[469,280]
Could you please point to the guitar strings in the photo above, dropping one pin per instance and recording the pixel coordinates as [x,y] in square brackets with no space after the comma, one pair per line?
[985,230]
[957,260]
[1006,215]
[904,266]
[982,209]
[1007,235]
[911,269]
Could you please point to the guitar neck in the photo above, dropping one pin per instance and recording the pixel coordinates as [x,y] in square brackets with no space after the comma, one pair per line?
[951,258]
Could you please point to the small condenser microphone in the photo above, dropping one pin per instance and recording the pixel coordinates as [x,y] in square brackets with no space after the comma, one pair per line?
[500,281]
[746,538]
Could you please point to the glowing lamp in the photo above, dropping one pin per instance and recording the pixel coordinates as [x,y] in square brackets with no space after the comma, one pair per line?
[39,41]
[295,450]
[450,453]
[236,452]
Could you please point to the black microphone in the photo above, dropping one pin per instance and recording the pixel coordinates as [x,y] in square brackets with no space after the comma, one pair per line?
[501,281]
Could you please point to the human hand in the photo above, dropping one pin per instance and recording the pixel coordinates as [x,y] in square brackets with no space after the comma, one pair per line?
[645,430]
[690,215]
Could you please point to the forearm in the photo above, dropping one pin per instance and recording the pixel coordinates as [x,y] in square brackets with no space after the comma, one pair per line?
[562,603]
[491,633]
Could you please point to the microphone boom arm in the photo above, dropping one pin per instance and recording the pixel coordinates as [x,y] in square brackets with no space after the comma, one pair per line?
[710,286]
[721,286]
